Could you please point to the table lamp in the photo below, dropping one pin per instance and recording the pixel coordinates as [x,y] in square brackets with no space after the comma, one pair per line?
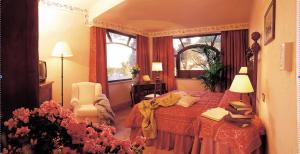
[156,68]
[243,70]
[241,84]
[62,49]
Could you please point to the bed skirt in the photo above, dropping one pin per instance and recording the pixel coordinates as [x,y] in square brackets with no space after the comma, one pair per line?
[180,144]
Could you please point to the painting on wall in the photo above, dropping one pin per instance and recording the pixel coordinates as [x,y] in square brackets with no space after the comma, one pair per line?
[269,23]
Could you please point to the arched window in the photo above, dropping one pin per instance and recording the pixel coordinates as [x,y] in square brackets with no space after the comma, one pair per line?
[121,55]
[190,58]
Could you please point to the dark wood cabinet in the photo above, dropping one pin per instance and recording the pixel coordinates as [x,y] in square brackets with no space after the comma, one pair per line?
[45,91]
[140,90]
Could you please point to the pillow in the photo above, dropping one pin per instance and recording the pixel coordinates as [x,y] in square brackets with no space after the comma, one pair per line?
[187,101]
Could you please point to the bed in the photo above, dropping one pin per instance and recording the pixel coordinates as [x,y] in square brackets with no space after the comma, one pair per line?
[177,127]
[176,123]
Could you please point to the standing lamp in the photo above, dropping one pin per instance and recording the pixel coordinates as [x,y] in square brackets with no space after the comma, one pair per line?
[241,84]
[62,50]
[156,68]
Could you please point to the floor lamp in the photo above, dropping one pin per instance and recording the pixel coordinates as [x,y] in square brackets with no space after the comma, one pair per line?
[62,50]
[156,68]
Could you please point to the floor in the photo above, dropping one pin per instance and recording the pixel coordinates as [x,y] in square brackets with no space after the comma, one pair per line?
[123,133]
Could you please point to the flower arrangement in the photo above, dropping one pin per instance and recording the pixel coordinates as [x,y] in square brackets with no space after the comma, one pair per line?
[135,70]
[53,129]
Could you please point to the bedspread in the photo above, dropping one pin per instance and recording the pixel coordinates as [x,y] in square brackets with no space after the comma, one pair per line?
[177,119]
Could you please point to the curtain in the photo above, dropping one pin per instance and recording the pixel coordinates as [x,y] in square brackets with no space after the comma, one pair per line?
[19,67]
[98,66]
[143,55]
[163,52]
[233,47]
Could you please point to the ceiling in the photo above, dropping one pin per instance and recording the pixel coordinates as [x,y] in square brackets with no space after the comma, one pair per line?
[163,15]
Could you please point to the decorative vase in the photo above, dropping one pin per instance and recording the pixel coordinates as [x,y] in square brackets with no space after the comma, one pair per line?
[135,78]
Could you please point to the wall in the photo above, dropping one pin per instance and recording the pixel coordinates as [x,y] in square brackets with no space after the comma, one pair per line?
[278,112]
[60,25]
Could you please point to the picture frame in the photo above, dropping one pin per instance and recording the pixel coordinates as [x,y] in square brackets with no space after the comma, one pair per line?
[269,23]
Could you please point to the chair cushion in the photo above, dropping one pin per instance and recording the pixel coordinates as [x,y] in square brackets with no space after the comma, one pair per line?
[86,94]
[149,96]
[86,110]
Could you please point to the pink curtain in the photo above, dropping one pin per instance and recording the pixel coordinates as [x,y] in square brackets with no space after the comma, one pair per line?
[98,66]
[233,48]
[143,55]
[163,52]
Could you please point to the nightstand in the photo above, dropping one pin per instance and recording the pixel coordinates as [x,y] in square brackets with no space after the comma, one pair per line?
[45,91]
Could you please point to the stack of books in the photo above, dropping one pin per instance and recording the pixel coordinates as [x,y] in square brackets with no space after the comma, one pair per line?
[215,114]
[240,114]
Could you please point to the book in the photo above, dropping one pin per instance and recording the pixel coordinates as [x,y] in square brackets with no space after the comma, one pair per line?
[240,106]
[239,116]
[215,114]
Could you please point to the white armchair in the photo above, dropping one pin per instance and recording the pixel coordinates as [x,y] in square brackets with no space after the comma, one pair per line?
[84,95]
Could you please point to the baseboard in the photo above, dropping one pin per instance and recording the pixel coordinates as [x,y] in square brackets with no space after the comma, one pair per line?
[121,106]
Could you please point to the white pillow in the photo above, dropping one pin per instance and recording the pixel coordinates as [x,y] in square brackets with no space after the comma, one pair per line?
[187,101]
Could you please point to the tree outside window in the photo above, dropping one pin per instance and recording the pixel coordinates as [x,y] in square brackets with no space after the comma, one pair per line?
[121,55]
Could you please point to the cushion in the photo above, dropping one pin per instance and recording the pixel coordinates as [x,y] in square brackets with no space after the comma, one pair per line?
[86,94]
[187,101]
[86,110]
[151,96]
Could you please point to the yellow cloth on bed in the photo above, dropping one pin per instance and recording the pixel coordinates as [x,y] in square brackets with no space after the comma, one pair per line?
[147,107]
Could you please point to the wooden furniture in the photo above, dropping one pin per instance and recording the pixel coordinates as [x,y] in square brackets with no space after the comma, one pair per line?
[45,91]
[140,90]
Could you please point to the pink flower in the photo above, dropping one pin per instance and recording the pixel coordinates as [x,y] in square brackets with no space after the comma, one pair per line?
[10,123]
[77,132]
[22,131]
[64,150]
[139,140]
[22,114]
[5,151]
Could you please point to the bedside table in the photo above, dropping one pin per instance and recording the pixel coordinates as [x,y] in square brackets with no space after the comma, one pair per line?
[223,137]
[45,91]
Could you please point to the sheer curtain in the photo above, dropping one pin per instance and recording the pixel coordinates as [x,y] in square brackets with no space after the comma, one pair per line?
[98,65]
[163,52]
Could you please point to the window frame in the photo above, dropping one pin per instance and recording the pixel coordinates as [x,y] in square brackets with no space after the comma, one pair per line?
[188,74]
[127,45]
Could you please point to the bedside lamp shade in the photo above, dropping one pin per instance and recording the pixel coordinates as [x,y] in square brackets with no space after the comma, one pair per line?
[62,49]
[157,66]
[243,70]
[241,84]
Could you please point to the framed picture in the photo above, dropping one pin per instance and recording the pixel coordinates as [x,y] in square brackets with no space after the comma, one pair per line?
[269,23]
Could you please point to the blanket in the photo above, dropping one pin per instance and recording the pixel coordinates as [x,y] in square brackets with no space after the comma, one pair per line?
[176,119]
[105,113]
[147,108]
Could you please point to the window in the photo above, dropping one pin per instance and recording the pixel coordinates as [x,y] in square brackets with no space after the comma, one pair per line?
[121,55]
[190,58]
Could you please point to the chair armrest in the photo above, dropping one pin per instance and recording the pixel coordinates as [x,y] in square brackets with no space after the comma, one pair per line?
[74,103]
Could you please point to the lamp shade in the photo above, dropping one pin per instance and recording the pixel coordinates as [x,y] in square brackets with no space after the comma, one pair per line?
[157,66]
[241,84]
[243,70]
[62,49]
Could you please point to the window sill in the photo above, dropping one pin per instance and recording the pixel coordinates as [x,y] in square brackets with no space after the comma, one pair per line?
[119,81]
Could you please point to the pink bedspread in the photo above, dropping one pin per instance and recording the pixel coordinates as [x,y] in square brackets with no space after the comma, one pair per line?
[177,119]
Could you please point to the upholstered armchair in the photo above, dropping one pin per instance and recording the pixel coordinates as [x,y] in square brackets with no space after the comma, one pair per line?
[84,95]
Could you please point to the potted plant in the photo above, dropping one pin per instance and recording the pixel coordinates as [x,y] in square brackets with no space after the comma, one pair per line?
[53,129]
[212,77]
[135,70]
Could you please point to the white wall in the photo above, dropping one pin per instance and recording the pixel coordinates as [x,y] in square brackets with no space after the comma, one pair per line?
[60,25]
